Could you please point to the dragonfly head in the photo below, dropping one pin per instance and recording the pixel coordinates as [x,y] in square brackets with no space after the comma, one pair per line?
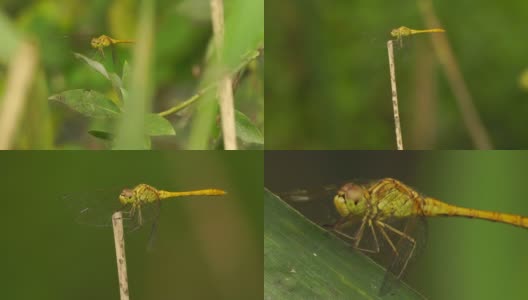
[127,196]
[351,199]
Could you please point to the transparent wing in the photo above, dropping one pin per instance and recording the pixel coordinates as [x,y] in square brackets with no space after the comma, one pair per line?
[316,204]
[95,208]
[409,245]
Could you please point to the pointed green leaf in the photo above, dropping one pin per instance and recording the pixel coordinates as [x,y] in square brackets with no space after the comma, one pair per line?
[89,103]
[156,125]
[97,66]
[245,129]
[103,135]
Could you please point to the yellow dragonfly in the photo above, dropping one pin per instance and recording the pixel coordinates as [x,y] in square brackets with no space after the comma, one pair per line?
[402,31]
[104,41]
[139,205]
[387,212]
[98,45]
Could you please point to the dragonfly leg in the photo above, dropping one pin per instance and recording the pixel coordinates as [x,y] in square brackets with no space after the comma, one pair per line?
[376,243]
[140,216]
[359,233]
[386,236]
[336,227]
[359,236]
[130,213]
[403,236]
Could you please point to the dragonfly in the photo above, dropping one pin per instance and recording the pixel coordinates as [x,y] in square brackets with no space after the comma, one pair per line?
[138,205]
[104,41]
[98,45]
[378,206]
[402,31]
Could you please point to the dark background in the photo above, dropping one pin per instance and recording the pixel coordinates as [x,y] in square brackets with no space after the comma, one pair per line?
[463,258]
[182,34]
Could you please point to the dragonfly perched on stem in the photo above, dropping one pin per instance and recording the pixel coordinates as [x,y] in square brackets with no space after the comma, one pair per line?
[104,41]
[402,31]
[138,205]
[387,212]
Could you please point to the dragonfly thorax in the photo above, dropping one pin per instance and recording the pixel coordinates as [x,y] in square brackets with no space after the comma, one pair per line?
[141,194]
[101,42]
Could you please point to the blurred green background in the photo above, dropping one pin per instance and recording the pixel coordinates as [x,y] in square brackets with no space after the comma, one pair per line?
[328,87]
[463,258]
[205,248]
[181,54]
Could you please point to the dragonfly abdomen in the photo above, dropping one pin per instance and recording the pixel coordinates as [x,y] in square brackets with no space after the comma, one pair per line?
[205,192]
[435,207]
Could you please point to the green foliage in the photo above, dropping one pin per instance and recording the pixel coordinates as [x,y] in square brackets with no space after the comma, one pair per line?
[95,105]
[178,37]
[246,131]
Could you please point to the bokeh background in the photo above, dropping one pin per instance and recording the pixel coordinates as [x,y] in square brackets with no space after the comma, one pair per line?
[328,87]
[463,258]
[181,54]
[205,247]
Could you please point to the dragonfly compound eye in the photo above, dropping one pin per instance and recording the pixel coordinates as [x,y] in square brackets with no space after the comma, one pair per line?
[353,193]
[126,196]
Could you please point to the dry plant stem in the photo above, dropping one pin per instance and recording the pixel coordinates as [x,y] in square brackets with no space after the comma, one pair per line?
[397,126]
[119,240]
[225,87]
[474,125]
[20,76]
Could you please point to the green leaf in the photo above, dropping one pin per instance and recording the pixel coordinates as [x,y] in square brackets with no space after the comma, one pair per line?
[246,130]
[103,135]
[157,125]
[118,87]
[97,66]
[304,261]
[89,103]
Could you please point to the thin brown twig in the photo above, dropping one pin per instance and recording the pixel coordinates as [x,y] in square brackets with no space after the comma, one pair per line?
[470,116]
[225,86]
[119,240]
[392,68]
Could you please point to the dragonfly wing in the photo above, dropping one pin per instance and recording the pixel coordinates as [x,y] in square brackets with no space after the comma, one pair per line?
[93,208]
[316,203]
[142,216]
[154,228]
[409,246]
